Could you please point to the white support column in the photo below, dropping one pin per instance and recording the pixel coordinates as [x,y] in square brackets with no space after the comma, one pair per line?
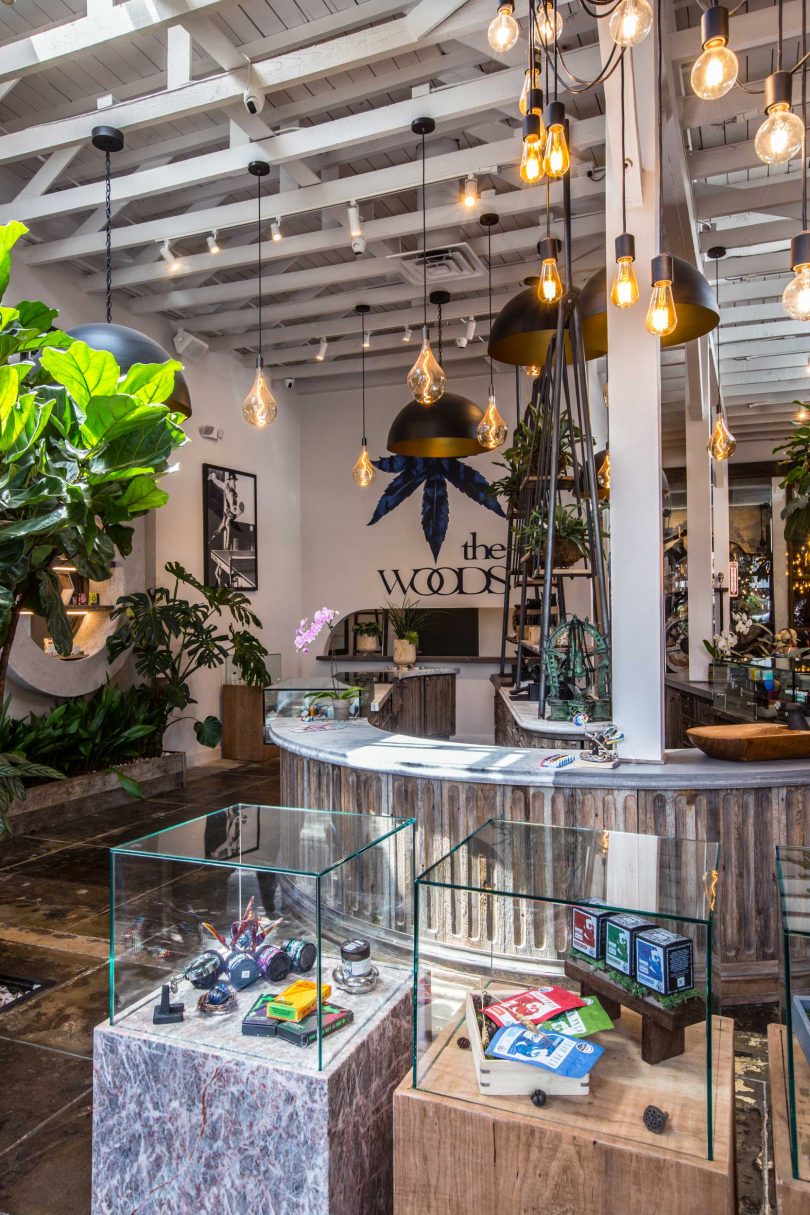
[634,384]
[720,527]
[780,557]
[698,511]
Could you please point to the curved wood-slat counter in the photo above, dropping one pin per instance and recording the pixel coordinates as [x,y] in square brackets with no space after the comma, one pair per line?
[452,788]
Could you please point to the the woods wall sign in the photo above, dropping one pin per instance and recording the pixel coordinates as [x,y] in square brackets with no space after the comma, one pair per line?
[472,579]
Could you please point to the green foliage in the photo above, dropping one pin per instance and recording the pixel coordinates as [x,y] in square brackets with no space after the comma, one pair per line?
[797,481]
[171,638]
[368,628]
[675,1000]
[569,528]
[333,694]
[81,450]
[521,459]
[15,770]
[406,620]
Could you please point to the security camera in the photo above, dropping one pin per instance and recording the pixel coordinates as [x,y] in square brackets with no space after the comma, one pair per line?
[289,383]
[358,245]
[253,101]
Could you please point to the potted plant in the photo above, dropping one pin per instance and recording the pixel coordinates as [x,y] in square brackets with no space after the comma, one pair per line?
[341,701]
[570,537]
[406,620]
[367,636]
[796,513]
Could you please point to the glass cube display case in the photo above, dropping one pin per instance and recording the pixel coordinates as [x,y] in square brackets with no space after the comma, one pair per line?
[793,871]
[565,974]
[759,688]
[318,698]
[263,930]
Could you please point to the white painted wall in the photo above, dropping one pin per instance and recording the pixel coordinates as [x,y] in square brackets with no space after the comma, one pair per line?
[218,384]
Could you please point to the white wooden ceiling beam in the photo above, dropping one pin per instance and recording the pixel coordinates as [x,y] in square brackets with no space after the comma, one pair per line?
[49,47]
[726,158]
[283,71]
[750,235]
[178,57]
[737,103]
[447,105]
[767,196]
[765,346]
[49,171]
[747,32]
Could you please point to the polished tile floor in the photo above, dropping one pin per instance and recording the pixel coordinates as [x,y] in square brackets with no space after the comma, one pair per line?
[54,924]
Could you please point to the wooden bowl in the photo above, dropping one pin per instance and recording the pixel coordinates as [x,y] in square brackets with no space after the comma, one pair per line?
[756,740]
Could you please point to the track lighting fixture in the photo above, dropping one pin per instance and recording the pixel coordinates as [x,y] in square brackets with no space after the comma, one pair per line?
[781,135]
[355,223]
[364,471]
[172,262]
[275,229]
[470,196]
[213,243]
[469,332]
[259,407]
[715,70]
[630,22]
[407,333]
[503,30]
[322,349]
[548,23]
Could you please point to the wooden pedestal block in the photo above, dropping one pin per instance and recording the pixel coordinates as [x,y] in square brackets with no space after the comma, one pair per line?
[577,1155]
[792,1195]
[243,724]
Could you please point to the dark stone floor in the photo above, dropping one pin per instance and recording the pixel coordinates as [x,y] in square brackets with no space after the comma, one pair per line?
[54,925]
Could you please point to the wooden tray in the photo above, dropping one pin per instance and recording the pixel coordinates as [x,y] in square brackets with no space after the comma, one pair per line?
[756,740]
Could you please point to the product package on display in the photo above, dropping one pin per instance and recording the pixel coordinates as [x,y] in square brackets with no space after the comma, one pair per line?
[272,931]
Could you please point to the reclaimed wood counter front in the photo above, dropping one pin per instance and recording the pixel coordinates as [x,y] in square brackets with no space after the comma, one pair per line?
[452,788]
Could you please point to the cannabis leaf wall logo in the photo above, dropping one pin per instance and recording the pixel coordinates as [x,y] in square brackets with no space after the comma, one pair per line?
[434,474]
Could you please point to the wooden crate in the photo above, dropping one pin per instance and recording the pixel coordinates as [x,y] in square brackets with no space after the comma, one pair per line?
[792,1195]
[577,1155]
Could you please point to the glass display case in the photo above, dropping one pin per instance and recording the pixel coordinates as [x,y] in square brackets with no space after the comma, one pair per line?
[316,698]
[262,929]
[565,974]
[759,688]
[793,871]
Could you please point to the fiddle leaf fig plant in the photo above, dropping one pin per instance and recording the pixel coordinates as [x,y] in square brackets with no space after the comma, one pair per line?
[82,449]
[796,454]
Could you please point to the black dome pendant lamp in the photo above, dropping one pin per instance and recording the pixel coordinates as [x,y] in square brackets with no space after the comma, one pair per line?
[448,430]
[126,345]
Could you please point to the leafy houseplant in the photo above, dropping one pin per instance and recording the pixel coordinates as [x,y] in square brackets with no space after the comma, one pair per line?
[342,700]
[81,450]
[368,635]
[406,621]
[171,638]
[15,769]
[797,480]
[570,536]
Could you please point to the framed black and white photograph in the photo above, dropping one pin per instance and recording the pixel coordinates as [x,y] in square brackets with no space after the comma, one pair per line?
[232,833]
[229,528]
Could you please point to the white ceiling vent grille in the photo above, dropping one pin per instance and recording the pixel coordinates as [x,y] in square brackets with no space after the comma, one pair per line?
[448,264]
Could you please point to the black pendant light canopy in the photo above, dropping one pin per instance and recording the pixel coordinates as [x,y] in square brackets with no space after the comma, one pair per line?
[695,305]
[523,329]
[126,345]
[446,430]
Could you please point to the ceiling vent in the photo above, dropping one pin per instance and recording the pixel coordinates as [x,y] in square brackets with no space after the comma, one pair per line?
[449,264]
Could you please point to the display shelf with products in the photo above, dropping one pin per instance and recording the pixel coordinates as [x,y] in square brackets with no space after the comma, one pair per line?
[603,939]
[789,1044]
[758,689]
[316,698]
[262,931]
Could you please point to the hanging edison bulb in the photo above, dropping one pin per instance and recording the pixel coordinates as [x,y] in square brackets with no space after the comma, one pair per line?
[532,371]
[492,429]
[259,407]
[426,379]
[364,471]
[531,161]
[661,315]
[722,443]
[556,157]
[531,95]
[624,292]
[714,72]
[630,22]
[549,288]
[503,30]
[781,135]
[548,24]
[603,478]
[796,296]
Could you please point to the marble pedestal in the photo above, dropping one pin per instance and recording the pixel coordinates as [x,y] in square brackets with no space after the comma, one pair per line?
[183,1126]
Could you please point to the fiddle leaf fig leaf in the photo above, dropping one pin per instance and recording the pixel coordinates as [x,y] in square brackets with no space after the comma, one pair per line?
[152,383]
[85,372]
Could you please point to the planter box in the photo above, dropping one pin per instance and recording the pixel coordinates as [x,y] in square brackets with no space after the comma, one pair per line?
[62,800]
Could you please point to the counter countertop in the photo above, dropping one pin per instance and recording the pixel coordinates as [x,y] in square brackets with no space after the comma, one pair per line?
[361,745]
[525,714]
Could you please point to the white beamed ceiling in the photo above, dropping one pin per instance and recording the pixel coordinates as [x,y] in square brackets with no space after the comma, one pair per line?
[342,82]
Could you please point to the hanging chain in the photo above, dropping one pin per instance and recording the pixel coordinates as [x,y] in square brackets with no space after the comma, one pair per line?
[108,221]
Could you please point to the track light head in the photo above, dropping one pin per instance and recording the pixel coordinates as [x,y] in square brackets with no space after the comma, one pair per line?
[322,349]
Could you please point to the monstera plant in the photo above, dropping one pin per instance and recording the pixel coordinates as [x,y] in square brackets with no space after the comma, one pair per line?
[82,448]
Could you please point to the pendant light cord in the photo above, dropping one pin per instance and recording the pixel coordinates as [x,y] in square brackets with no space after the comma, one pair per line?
[439,323]
[719,328]
[424,241]
[363,371]
[779,32]
[556,72]
[804,117]
[623,152]
[259,250]
[489,278]
[660,133]
[108,225]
